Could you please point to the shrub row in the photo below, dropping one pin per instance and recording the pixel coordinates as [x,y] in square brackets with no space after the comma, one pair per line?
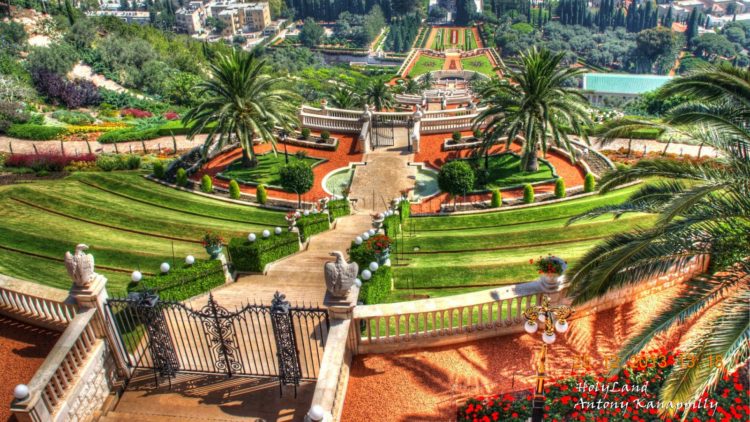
[392,226]
[338,208]
[312,224]
[176,127]
[118,162]
[184,282]
[73,117]
[35,132]
[404,210]
[254,256]
[46,162]
[376,289]
[125,135]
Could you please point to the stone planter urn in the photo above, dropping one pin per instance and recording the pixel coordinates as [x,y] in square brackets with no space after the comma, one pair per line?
[214,250]
[383,256]
[552,282]
[291,220]
[377,221]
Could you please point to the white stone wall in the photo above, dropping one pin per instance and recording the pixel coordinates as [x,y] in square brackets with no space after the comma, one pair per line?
[92,386]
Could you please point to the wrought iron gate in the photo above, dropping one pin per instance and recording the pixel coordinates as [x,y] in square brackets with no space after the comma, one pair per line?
[280,340]
[382,132]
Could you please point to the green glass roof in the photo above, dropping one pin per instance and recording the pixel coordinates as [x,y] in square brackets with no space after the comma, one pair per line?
[623,83]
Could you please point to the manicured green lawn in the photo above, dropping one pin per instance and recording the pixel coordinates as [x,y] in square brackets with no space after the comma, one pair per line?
[505,171]
[440,256]
[479,64]
[128,222]
[426,64]
[267,170]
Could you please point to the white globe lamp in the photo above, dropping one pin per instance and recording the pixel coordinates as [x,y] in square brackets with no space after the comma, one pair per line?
[277,230]
[251,237]
[561,326]
[306,213]
[316,413]
[190,260]
[366,275]
[136,276]
[365,235]
[542,317]
[387,262]
[374,266]
[372,232]
[549,338]
[266,233]
[358,240]
[531,327]
[358,282]
[164,267]
[21,391]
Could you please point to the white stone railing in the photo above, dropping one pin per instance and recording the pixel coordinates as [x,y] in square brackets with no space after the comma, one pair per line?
[487,313]
[447,124]
[333,119]
[35,304]
[60,371]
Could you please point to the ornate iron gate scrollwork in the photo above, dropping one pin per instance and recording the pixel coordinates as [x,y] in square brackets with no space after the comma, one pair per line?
[161,347]
[219,329]
[286,343]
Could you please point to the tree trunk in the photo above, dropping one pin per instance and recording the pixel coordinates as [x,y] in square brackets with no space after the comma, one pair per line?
[299,201]
[532,162]
[700,149]
[630,144]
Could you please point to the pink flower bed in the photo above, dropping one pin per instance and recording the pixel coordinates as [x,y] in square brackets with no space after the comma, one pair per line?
[48,162]
[135,113]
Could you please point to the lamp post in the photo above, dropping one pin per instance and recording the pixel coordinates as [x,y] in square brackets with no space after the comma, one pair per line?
[554,318]
[283,141]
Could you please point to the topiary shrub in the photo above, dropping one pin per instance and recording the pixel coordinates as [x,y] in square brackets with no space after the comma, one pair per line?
[133,162]
[159,169]
[559,188]
[376,289]
[254,256]
[456,136]
[325,135]
[109,163]
[312,224]
[528,193]
[305,132]
[261,194]
[497,198]
[234,189]
[207,185]
[589,183]
[181,177]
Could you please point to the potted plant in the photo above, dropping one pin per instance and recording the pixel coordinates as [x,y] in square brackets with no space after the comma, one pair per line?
[456,136]
[291,219]
[551,269]
[380,245]
[213,244]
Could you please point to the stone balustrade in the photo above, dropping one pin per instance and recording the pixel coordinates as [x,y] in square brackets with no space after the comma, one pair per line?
[35,304]
[59,373]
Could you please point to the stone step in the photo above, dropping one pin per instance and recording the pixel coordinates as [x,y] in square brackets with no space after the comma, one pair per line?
[132,417]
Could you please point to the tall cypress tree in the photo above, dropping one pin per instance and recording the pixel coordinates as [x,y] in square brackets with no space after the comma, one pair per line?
[692,27]
[669,18]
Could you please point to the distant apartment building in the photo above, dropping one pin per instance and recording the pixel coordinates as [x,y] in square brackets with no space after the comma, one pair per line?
[191,19]
[239,17]
[141,18]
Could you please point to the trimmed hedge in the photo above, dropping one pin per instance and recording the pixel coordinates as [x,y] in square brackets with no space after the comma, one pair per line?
[528,193]
[254,256]
[176,127]
[497,198]
[589,183]
[261,194]
[181,178]
[312,224]
[159,169]
[207,185]
[184,282]
[35,132]
[559,188]
[392,226]
[404,209]
[362,256]
[126,135]
[234,189]
[376,289]
[338,208]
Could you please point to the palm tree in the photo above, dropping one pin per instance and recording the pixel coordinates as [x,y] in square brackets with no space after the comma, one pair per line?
[427,81]
[536,102]
[343,97]
[411,86]
[378,94]
[703,208]
[242,102]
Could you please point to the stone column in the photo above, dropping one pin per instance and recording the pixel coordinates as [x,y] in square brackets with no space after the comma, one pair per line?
[94,295]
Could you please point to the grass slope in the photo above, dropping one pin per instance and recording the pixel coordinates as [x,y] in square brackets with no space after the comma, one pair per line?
[440,256]
[480,64]
[505,171]
[128,223]
[426,64]
[267,170]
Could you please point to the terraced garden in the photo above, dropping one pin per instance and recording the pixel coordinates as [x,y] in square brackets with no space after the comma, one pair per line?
[127,221]
[426,64]
[440,256]
[480,64]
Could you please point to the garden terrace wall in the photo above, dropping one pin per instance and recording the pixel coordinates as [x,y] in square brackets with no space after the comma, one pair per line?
[488,313]
[35,304]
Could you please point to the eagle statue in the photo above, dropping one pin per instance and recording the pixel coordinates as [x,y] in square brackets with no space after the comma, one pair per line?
[340,275]
[80,266]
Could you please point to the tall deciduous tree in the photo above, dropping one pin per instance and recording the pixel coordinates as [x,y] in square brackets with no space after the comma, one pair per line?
[297,177]
[240,102]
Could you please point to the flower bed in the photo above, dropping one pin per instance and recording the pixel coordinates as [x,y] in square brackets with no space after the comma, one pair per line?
[185,281]
[46,162]
[250,256]
[312,224]
[575,398]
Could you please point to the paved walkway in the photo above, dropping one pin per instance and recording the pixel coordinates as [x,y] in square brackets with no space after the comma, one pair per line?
[651,146]
[20,146]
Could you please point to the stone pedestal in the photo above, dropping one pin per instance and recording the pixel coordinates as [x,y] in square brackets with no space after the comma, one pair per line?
[552,283]
[341,307]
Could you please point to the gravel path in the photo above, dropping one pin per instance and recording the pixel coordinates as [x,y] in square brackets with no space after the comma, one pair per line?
[21,146]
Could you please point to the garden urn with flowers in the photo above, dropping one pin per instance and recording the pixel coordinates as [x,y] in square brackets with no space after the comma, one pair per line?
[213,244]
[291,219]
[377,220]
[380,245]
[551,269]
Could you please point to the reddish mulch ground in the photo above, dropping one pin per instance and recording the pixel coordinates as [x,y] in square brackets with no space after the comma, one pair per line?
[344,155]
[431,152]
[426,384]
[23,348]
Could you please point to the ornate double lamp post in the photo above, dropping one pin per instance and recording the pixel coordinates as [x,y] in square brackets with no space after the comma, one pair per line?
[554,318]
